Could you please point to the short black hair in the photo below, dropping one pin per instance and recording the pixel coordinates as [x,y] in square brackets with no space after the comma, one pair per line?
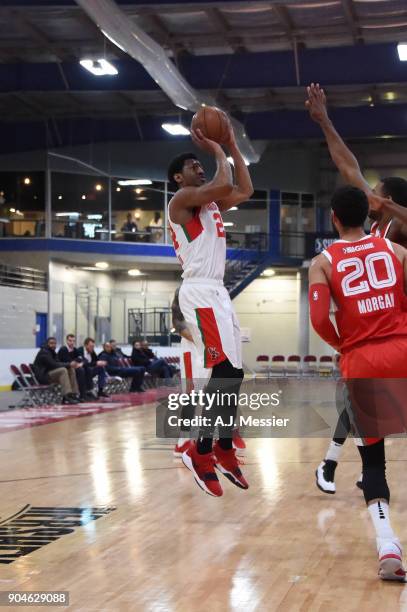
[87,340]
[50,338]
[350,206]
[395,187]
[176,167]
[70,336]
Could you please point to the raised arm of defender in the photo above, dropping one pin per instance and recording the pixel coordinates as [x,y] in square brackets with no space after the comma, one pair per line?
[342,156]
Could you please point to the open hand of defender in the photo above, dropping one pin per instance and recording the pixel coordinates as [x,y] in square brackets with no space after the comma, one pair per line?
[210,146]
[316,103]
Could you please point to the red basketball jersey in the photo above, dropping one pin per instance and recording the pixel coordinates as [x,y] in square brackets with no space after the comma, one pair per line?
[367,286]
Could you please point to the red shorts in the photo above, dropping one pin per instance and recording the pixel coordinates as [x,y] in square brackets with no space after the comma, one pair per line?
[379,359]
[376,375]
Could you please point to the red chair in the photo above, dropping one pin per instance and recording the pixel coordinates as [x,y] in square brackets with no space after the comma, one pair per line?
[293,365]
[309,365]
[326,365]
[262,365]
[33,395]
[278,365]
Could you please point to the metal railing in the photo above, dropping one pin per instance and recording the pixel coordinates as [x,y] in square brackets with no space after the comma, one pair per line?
[22,277]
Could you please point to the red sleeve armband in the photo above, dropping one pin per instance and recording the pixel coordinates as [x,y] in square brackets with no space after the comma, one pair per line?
[319,302]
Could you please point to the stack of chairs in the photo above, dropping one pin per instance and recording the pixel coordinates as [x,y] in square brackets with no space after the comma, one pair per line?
[34,394]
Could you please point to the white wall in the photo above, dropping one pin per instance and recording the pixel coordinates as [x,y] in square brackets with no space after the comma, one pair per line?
[269,308]
[18,308]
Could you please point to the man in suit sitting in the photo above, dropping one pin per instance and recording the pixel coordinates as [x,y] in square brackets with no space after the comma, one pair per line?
[115,368]
[93,367]
[68,353]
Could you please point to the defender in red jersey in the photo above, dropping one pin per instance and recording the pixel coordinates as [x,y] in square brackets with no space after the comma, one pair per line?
[387,210]
[365,277]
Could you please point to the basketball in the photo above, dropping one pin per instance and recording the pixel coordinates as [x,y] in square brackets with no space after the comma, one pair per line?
[213,123]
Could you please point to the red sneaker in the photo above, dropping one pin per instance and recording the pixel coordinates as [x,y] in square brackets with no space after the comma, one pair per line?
[228,464]
[178,450]
[238,442]
[203,469]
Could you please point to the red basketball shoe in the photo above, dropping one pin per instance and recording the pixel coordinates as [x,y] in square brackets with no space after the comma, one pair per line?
[179,449]
[203,469]
[228,464]
[238,442]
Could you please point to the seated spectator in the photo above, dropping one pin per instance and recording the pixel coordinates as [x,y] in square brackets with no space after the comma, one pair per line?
[114,368]
[130,225]
[143,355]
[93,367]
[49,369]
[117,351]
[68,352]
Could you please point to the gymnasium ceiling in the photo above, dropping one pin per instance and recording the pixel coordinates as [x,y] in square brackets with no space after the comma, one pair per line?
[243,53]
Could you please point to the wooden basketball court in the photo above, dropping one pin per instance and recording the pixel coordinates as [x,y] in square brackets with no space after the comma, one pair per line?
[109,515]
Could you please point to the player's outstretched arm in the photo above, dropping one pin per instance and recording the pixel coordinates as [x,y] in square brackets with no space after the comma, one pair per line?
[319,298]
[243,188]
[342,156]
[219,187]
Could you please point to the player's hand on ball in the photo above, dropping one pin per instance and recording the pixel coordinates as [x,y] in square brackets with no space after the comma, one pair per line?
[204,143]
[316,103]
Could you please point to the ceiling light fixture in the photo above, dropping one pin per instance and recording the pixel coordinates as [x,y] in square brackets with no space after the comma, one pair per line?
[102,265]
[135,182]
[99,67]
[402,51]
[98,187]
[134,272]
[268,272]
[27,181]
[175,129]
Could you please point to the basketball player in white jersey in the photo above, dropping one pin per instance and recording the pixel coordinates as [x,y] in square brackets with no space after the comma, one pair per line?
[193,376]
[387,210]
[199,238]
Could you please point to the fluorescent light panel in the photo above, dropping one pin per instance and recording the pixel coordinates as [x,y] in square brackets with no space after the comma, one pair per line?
[135,182]
[175,129]
[402,51]
[99,67]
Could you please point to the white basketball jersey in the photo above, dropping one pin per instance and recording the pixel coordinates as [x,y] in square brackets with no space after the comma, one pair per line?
[200,244]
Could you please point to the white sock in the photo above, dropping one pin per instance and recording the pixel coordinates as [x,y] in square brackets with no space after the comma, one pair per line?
[379,513]
[334,451]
